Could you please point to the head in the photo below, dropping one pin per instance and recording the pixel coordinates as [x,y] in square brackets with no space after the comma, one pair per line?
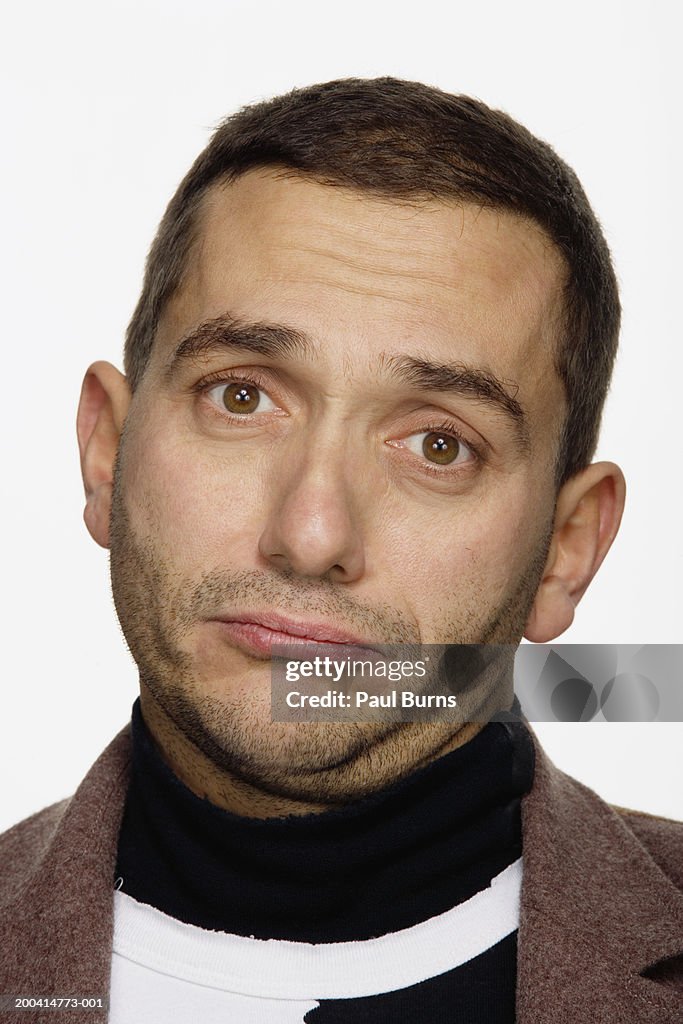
[362,392]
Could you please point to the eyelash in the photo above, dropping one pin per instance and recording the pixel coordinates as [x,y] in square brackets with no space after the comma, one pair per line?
[221,377]
[445,426]
[449,428]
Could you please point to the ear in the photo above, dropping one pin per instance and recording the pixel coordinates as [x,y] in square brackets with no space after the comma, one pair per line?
[587,516]
[102,409]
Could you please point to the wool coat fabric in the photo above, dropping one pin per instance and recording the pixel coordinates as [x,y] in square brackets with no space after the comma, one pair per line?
[601,919]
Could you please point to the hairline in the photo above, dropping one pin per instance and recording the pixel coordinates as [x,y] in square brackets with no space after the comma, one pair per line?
[557,310]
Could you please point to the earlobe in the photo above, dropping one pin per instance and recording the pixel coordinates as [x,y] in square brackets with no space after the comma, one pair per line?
[587,517]
[552,612]
[102,409]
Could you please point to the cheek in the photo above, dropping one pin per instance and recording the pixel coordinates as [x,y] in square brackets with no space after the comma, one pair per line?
[474,549]
[199,502]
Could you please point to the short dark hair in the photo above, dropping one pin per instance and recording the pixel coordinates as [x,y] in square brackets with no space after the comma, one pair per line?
[406,141]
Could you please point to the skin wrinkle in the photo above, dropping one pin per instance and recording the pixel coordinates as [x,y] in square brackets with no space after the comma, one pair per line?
[208,519]
[430,267]
[441,274]
[342,283]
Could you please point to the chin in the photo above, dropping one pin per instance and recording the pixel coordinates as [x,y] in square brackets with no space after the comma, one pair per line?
[233,727]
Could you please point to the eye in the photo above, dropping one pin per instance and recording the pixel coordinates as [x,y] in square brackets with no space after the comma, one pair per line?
[440,448]
[241,397]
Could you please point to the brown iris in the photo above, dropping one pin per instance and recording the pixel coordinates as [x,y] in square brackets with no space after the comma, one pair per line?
[241,397]
[440,448]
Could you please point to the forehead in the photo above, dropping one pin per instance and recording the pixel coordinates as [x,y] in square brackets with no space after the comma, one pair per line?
[365,276]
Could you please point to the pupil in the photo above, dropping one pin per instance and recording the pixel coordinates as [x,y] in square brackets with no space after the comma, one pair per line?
[241,398]
[440,448]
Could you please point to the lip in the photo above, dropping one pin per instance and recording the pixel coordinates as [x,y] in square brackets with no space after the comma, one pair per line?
[257,632]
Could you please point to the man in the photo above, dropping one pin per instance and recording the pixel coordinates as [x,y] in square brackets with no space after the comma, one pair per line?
[363,389]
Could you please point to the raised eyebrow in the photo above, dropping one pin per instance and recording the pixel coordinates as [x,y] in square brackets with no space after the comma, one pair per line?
[282,341]
[468,381]
[225,331]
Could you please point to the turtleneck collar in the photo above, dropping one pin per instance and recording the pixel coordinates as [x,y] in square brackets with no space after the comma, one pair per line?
[386,862]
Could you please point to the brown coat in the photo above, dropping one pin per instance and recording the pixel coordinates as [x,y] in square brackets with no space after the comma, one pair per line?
[602,902]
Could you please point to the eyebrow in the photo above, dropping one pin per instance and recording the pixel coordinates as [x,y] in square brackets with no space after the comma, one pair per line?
[280,341]
[271,340]
[471,382]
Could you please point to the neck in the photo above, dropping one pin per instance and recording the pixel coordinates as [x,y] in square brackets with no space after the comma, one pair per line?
[384,863]
[389,759]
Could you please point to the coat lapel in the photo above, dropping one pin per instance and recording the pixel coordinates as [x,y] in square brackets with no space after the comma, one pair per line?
[595,912]
[57,920]
[595,908]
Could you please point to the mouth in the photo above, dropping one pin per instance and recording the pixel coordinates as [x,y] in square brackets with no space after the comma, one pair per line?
[257,633]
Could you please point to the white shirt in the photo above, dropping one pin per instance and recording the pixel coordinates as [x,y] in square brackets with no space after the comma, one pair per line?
[167,972]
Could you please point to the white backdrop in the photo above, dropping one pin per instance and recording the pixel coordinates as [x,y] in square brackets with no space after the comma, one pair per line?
[103,109]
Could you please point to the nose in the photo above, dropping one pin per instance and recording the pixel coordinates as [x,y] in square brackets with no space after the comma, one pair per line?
[313,526]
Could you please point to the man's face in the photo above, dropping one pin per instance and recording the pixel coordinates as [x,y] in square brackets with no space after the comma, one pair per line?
[347,430]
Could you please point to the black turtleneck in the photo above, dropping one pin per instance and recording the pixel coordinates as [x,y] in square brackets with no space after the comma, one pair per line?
[387,862]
